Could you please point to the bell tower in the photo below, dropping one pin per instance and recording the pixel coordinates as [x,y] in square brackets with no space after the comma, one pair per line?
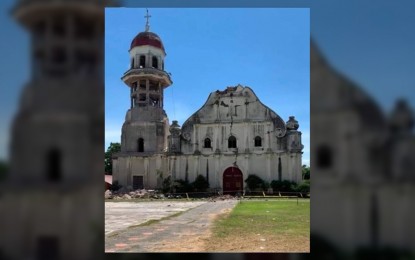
[145,129]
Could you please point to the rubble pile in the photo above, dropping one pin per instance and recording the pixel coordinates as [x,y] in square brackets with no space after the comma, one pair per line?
[123,194]
[222,197]
[135,194]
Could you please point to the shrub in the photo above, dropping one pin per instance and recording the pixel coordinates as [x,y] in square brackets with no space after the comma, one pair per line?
[286,186]
[166,185]
[200,183]
[266,185]
[182,186]
[254,182]
[304,186]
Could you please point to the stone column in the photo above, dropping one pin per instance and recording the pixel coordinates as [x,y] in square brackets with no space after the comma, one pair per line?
[160,90]
[246,139]
[128,177]
[246,165]
[147,91]
[269,167]
[174,168]
[246,109]
[158,168]
[131,98]
[216,110]
[217,174]
[146,175]
[217,138]
[269,138]
[196,142]
[266,137]
[196,168]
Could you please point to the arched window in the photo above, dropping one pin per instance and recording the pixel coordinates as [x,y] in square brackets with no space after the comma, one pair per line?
[155,62]
[324,157]
[140,145]
[258,141]
[208,143]
[232,142]
[142,61]
[132,63]
[54,164]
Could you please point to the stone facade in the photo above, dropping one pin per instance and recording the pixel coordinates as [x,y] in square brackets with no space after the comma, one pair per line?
[363,165]
[232,130]
[56,144]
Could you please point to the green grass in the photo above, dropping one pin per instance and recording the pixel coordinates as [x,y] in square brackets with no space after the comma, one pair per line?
[275,220]
[276,217]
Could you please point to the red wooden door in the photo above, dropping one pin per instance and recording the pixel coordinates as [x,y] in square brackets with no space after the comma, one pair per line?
[232,181]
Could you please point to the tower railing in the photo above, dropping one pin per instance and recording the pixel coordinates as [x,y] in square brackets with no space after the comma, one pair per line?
[148,70]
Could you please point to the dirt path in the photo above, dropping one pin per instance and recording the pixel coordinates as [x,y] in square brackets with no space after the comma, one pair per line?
[186,232]
[121,215]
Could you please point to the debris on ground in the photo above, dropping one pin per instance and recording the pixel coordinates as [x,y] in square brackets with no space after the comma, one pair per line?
[128,194]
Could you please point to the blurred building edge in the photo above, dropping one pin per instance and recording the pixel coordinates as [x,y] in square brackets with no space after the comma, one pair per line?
[363,166]
[52,203]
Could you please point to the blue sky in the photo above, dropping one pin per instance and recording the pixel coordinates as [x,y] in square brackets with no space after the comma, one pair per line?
[372,43]
[210,49]
[14,70]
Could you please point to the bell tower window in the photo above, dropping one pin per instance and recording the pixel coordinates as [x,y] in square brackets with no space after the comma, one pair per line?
[140,145]
[232,142]
[142,61]
[155,62]
[132,63]
[54,165]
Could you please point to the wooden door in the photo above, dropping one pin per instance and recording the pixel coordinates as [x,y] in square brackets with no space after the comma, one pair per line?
[232,181]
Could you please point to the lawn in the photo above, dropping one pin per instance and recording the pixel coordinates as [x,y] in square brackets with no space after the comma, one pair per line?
[263,226]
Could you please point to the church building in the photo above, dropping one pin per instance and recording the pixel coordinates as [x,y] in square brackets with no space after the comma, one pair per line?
[233,135]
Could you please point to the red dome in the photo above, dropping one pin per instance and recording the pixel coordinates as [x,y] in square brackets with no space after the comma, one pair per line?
[147,38]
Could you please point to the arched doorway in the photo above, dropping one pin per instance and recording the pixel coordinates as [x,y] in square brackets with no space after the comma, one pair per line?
[232,181]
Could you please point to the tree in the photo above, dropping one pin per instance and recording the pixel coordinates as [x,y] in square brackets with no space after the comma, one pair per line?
[113,148]
[306,172]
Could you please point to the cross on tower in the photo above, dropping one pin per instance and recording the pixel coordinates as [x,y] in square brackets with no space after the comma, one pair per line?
[147,22]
